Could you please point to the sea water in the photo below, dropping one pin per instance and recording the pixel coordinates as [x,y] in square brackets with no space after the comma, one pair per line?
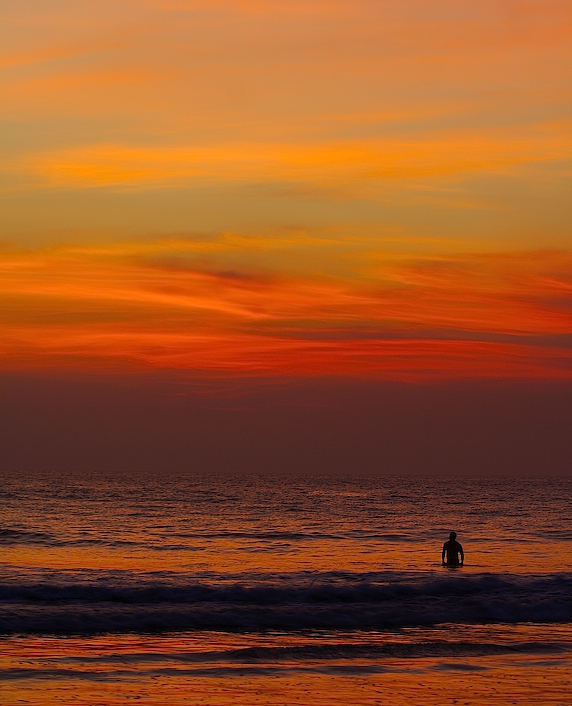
[262,590]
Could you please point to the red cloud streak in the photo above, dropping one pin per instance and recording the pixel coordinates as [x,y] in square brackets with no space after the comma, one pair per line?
[435,317]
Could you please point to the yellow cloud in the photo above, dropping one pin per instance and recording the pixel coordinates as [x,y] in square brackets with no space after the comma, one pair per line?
[432,155]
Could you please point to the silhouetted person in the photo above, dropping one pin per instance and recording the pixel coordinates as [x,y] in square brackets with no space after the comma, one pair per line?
[452,549]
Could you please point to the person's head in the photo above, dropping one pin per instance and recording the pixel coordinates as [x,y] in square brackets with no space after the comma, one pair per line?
[452,536]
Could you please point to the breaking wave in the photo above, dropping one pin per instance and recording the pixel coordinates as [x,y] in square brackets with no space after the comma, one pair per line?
[326,601]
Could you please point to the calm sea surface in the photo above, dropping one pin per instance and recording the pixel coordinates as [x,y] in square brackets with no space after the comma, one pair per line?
[174,590]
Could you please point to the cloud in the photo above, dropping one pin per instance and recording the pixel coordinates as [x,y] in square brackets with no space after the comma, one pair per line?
[398,315]
[239,355]
[430,156]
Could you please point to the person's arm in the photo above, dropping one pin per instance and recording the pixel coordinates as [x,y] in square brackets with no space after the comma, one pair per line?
[462,553]
[443,555]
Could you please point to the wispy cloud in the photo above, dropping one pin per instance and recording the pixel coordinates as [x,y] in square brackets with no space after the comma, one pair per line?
[308,131]
[401,316]
[435,155]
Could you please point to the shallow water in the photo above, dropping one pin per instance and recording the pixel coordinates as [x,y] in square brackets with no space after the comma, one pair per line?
[193,590]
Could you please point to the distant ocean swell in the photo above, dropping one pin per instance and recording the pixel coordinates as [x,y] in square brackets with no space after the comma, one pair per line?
[115,606]
[10,537]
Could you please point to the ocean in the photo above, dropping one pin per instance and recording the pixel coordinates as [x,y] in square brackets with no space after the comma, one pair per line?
[273,590]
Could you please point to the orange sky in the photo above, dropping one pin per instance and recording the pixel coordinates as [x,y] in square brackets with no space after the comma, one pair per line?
[243,188]
[388,314]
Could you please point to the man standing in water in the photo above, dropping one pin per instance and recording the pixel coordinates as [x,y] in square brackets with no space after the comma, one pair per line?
[452,549]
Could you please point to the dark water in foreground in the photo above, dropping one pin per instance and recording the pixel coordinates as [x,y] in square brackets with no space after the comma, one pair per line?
[176,590]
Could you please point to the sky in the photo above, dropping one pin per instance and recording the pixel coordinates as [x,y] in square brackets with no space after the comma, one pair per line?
[227,222]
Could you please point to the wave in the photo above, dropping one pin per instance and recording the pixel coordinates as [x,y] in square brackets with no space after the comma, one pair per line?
[114,675]
[330,651]
[13,536]
[326,602]
[298,536]
[9,535]
[334,658]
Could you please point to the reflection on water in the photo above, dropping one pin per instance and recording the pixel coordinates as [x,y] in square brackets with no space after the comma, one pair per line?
[188,524]
[485,664]
[266,591]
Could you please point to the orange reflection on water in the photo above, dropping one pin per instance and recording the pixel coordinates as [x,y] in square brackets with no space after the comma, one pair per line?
[415,665]
[226,556]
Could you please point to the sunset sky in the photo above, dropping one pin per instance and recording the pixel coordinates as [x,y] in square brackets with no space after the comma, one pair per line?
[276,210]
